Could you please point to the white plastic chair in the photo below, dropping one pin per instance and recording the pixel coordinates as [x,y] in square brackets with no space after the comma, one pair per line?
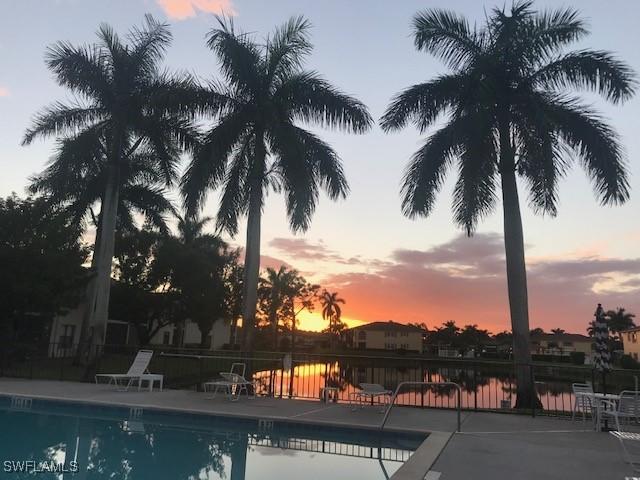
[584,400]
[138,371]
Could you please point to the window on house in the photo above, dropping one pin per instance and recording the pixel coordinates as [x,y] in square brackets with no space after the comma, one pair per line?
[404,334]
[166,338]
[567,344]
[68,334]
[362,334]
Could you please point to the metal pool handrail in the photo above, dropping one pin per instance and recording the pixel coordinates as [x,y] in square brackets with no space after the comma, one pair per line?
[402,384]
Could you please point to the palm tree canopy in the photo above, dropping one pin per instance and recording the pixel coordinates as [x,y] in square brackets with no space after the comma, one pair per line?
[507,92]
[620,320]
[331,305]
[256,142]
[121,96]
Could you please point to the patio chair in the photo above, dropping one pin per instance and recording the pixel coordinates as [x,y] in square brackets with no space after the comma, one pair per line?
[623,410]
[584,400]
[138,371]
[232,382]
[630,443]
[369,392]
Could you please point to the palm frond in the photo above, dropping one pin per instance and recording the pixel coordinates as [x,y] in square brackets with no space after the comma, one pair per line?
[81,69]
[426,171]
[547,32]
[149,45]
[424,102]
[447,36]
[209,162]
[591,70]
[474,193]
[312,99]
[287,47]
[595,143]
[240,60]
[61,119]
[233,203]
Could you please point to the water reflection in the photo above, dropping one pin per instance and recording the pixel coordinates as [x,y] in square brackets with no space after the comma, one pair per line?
[483,386]
[133,449]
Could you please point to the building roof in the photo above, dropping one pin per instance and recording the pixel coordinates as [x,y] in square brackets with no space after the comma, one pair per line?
[389,325]
[561,337]
[630,330]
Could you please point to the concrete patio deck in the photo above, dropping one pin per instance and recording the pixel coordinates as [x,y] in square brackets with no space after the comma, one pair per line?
[490,446]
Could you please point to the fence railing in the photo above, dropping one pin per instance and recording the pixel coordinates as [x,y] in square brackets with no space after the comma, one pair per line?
[485,385]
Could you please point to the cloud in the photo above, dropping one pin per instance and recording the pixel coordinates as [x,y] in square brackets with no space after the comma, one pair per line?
[182,9]
[464,280]
[4,91]
[302,249]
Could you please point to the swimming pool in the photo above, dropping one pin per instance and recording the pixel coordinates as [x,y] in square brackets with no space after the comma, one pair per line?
[121,443]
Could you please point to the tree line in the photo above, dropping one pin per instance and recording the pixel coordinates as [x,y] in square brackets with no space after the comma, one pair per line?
[505,109]
[159,278]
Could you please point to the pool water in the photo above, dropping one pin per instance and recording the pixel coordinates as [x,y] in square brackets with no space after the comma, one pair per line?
[130,444]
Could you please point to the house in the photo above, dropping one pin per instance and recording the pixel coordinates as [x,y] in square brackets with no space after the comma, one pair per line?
[561,344]
[630,342]
[387,335]
[188,335]
[65,334]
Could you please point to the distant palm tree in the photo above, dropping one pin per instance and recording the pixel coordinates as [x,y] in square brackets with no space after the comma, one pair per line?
[558,331]
[619,320]
[256,142]
[508,111]
[331,311]
[125,101]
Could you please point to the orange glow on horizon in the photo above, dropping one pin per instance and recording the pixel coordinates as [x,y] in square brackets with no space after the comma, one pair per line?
[313,321]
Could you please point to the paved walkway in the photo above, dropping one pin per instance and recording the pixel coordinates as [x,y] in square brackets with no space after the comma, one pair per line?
[490,446]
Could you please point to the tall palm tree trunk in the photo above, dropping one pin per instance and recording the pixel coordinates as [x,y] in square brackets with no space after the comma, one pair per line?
[516,277]
[106,243]
[252,250]
[251,274]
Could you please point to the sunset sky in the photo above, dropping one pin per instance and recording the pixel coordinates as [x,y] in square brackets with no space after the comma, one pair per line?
[384,265]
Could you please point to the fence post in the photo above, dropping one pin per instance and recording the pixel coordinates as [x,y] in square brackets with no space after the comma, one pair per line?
[422,386]
[534,397]
[475,388]
[282,375]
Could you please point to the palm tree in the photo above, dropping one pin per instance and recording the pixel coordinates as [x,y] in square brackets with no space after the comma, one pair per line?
[193,266]
[332,312]
[509,112]
[620,320]
[256,142]
[558,331]
[274,288]
[124,100]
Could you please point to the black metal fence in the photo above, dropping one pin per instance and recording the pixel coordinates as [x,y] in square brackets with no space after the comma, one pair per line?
[486,385]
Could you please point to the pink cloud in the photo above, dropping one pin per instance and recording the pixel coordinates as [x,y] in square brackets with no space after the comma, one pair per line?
[4,91]
[181,9]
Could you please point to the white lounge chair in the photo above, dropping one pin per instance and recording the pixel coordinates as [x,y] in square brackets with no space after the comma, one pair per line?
[233,383]
[138,372]
[369,392]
